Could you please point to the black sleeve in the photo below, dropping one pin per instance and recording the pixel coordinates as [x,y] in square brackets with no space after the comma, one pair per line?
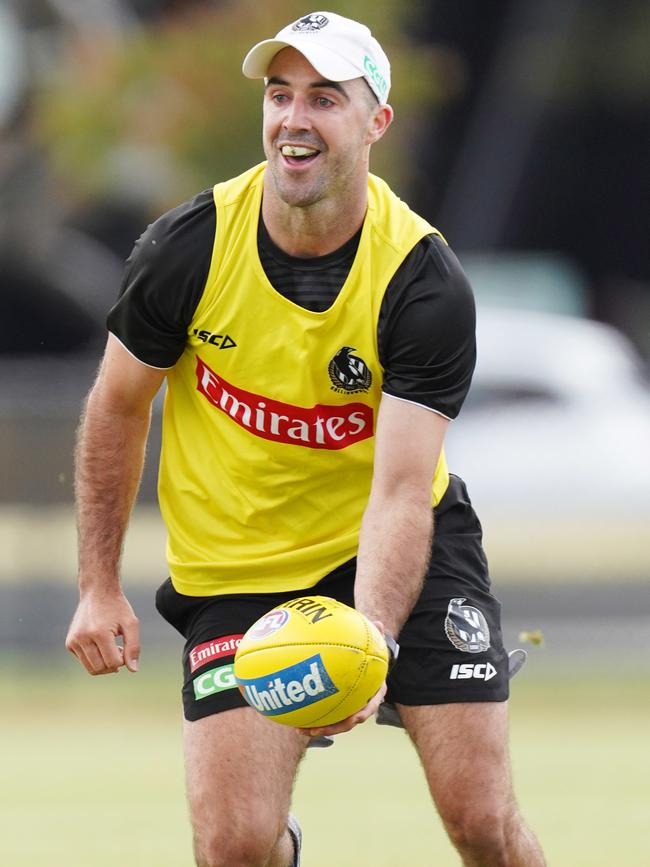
[426,330]
[163,282]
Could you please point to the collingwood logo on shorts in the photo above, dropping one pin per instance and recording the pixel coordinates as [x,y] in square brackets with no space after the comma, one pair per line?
[466,627]
[309,23]
[349,373]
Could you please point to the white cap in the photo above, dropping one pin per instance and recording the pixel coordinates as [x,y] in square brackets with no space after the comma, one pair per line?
[338,48]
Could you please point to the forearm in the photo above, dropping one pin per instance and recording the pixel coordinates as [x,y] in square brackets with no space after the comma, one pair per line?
[109,461]
[394,551]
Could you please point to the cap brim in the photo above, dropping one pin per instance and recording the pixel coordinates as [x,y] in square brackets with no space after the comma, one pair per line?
[331,66]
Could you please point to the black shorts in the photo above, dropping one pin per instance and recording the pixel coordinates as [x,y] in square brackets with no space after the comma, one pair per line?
[451,648]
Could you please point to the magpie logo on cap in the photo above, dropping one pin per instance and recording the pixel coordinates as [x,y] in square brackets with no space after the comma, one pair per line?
[339,48]
[312,22]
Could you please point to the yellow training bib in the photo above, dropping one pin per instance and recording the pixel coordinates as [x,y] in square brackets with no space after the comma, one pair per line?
[270,413]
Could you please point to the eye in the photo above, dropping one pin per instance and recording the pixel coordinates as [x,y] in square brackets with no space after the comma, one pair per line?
[279,98]
[323,102]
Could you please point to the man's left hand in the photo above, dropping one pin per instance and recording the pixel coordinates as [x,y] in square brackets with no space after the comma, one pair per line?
[370,709]
[350,722]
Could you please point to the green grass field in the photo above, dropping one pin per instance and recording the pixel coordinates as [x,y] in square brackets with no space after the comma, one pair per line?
[92,777]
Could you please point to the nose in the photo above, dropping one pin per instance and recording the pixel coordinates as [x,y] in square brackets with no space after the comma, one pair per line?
[297,117]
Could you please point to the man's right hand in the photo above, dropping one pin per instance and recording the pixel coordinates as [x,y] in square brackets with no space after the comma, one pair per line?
[99,619]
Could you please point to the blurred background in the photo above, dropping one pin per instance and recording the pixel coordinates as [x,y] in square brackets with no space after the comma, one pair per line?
[522,131]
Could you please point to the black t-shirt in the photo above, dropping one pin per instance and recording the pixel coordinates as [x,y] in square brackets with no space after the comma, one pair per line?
[426,327]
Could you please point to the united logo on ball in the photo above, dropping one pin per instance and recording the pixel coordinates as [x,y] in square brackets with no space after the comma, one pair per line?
[312,661]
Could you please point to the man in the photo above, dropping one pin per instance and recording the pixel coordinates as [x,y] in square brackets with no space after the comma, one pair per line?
[316,337]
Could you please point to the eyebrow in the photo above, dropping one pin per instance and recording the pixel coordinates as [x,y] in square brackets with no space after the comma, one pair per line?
[334,85]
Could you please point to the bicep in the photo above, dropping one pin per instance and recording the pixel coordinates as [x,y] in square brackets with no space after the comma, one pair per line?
[408,443]
[124,385]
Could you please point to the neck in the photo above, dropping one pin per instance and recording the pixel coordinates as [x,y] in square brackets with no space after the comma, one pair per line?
[317,229]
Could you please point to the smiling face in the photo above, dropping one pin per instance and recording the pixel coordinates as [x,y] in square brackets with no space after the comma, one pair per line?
[317,133]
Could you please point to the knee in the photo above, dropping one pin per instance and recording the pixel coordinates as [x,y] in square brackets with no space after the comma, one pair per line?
[230,849]
[482,831]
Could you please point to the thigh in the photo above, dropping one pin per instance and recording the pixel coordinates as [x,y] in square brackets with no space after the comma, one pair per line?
[240,769]
[464,752]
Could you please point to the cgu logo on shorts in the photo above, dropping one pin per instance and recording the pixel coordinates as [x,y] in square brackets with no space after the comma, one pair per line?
[317,427]
[213,681]
[290,688]
[479,671]
[215,649]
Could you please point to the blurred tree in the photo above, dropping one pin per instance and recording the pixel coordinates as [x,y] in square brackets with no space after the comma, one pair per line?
[165,111]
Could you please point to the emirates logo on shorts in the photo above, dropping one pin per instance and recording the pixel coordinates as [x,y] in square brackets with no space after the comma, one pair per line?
[225,645]
[349,373]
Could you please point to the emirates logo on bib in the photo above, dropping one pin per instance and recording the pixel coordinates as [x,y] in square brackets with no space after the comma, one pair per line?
[317,427]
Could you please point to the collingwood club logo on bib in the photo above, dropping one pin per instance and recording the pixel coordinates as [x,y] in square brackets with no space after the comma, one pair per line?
[349,373]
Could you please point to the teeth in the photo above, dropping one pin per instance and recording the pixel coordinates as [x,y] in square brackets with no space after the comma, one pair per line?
[291,151]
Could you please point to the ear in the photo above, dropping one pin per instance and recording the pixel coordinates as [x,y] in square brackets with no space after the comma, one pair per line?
[379,122]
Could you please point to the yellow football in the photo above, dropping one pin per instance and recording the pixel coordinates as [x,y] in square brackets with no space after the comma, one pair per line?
[311,662]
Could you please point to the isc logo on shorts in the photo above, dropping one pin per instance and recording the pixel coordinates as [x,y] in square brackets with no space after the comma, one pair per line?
[478,670]
[214,680]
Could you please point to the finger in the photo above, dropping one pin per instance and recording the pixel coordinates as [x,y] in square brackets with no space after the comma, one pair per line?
[80,656]
[93,661]
[76,648]
[131,654]
[344,725]
[108,650]
[339,728]
[350,722]
[375,703]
